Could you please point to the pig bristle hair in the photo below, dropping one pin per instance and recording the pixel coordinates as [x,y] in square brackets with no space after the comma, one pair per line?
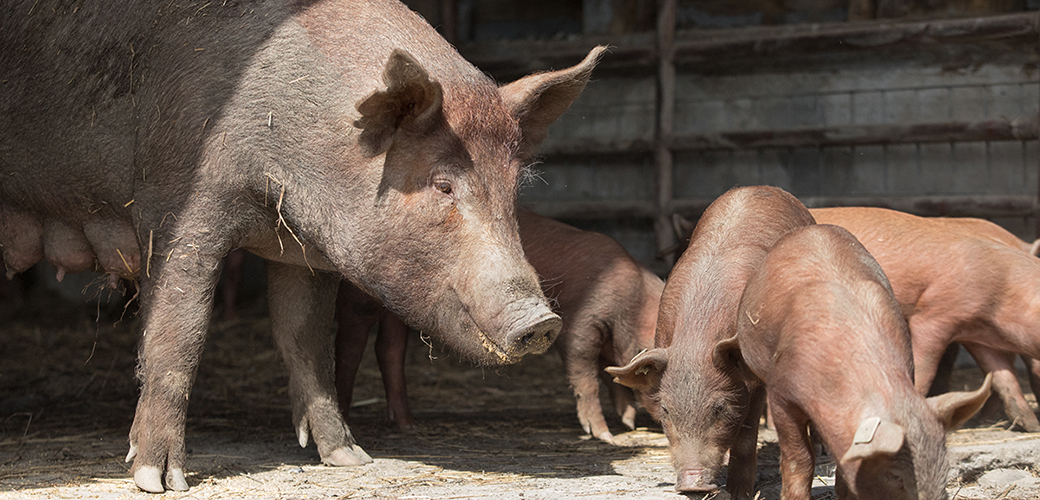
[548,285]
[528,174]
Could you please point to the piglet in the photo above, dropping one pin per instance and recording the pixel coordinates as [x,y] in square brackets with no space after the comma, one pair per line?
[819,327]
[704,410]
[958,280]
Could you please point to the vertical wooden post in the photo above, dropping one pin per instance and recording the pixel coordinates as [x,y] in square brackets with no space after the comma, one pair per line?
[663,155]
[450,20]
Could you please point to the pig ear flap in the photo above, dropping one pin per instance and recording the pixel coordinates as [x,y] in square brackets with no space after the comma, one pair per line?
[953,408]
[644,372]
[682,226]
[727,358]
[875,439]
[411,100]
[537,100]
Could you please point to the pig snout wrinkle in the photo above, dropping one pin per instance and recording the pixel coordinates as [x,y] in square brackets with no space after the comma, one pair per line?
[536,337]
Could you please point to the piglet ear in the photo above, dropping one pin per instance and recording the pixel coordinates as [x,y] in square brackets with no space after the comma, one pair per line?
[644,372]
[953,408]
[537,100]
[875,438]
[727,358]
[411,100]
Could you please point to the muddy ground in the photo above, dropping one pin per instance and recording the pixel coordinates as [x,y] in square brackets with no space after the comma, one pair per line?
[67,396]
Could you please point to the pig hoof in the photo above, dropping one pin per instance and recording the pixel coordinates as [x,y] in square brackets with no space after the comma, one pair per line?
[132,453]
[347,457]
[606,437]
[149,479]
[175,480]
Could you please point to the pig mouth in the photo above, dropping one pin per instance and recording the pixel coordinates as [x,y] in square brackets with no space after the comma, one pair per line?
[493,348]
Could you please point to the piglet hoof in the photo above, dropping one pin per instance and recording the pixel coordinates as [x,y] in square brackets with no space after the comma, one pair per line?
[629,418]
[692,481]
[347,457]
[606,437]
[149,479]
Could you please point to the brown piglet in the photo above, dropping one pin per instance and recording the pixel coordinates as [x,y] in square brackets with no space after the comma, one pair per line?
[706,411]
[819,328]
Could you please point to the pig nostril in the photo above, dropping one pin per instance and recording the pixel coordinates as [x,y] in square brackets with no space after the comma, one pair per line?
[526,339]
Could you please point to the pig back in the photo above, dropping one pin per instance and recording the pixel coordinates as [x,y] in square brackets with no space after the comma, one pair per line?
[730,240]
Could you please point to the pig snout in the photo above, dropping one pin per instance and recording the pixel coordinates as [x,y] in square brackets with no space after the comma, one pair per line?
[536,336]
[695,480]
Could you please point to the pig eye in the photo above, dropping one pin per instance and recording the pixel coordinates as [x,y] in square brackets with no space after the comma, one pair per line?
[442,186]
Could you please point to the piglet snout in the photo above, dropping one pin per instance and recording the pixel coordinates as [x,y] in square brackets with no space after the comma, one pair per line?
[695,480]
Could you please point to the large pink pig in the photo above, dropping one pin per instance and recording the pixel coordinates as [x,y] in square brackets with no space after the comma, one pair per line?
[819,327]
[337,139]
[704,410]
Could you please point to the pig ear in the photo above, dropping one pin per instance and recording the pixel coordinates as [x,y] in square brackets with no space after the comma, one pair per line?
[875,439]
[643,373]
[953,408]
[682,226]
[411,100]
[727,358]
[537,100]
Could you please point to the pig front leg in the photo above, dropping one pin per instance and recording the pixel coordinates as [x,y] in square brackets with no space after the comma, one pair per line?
[743,455]
[579,349]
[177,303]
[797,462]
[1033,366]
[302,306]
[1005,383]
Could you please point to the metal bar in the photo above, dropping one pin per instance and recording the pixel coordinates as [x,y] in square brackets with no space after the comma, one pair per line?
[1024,128]
[815,38]
[594,210]
[996,205]
[513,57]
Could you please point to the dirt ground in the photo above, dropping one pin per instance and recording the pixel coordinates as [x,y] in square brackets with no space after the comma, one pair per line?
[67,396]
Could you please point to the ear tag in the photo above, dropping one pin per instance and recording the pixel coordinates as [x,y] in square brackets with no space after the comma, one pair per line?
[867,428]
[643,371]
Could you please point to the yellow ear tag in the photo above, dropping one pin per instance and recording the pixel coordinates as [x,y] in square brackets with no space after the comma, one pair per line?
[643,371]
[867,429]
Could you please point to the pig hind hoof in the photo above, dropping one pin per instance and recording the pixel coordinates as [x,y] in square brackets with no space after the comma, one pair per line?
[175,480]
[347,457]
[606,437]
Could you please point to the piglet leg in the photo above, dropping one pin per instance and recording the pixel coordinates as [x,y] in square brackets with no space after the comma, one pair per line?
[302,306]
[391,348]
[797,462]
[1005,384]
[743,455]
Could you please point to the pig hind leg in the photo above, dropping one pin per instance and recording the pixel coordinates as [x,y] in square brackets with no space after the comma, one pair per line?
[797,462]
[1005,384]
[302,307]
